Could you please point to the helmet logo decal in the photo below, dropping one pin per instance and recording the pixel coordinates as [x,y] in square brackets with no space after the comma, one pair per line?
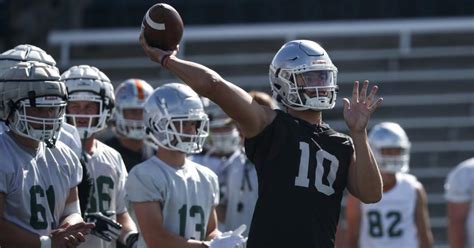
[140,93]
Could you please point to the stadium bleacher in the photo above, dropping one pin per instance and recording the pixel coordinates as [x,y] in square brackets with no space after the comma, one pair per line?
[424,67]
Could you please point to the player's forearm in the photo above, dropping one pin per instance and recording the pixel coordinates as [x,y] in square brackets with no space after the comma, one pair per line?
[456,235]
[236,102]
[127,226]
[425,241]
[352,241]
[197,76]
[12,235]
[368,180]
[71,220]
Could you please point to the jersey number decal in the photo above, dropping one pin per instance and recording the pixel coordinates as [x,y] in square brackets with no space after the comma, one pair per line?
[326,170]
[193,211]
[38,210]
[104,198]
[376,227]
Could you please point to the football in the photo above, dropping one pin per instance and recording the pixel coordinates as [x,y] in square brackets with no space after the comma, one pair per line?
[162,27]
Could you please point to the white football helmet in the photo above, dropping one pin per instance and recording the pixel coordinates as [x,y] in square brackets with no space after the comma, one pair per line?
[22,53]
[302,76]
[390,135]
[167,109]
[218,141]
[87,83]
[33,84]
[131,94]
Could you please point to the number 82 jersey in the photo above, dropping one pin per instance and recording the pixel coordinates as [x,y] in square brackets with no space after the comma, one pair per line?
[302,172]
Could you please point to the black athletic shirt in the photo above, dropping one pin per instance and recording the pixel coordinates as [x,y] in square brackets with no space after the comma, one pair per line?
[302,172]
[130,158]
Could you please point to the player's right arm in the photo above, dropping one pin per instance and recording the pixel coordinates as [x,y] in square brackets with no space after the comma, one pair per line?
[237,103]
[353,217]
[150,221]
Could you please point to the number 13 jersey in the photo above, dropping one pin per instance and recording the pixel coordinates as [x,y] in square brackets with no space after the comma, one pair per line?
[302,172]
[186,194]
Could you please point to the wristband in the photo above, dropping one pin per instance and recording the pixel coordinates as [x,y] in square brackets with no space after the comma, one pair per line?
[127,235]
[45,242]
[164,60]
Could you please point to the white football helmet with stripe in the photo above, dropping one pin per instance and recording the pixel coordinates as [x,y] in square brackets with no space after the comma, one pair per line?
[131,94]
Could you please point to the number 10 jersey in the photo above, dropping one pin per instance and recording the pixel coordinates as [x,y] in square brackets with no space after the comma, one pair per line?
[302,172]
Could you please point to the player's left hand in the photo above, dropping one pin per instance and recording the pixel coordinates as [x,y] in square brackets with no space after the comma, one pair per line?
[231,239]
[105,228]
[357,111]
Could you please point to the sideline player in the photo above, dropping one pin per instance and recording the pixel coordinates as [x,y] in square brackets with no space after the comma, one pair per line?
[39,205]
[90,103]
[401,218]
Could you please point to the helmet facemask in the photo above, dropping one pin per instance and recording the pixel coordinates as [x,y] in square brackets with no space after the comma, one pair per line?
[95,122]
[390,146]
[130,128]
[41,128]
[308,87]
[392,159]
[168,131]
[131,96]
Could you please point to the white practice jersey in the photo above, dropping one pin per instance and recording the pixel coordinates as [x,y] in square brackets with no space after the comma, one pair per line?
[216,164]
[70,136]
[186,195]
[391,221]
[109,174]
[459,188]
[242,192]
[36,185]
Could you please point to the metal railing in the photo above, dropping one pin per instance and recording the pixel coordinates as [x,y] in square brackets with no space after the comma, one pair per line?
[404,29]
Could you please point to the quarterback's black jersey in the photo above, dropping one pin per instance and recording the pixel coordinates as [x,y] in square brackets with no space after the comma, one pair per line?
[302,172]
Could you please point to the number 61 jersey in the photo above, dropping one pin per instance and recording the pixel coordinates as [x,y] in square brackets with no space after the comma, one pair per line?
[302,172]
[37,185]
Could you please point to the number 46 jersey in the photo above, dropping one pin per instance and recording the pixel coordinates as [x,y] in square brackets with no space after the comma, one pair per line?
[302,172]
